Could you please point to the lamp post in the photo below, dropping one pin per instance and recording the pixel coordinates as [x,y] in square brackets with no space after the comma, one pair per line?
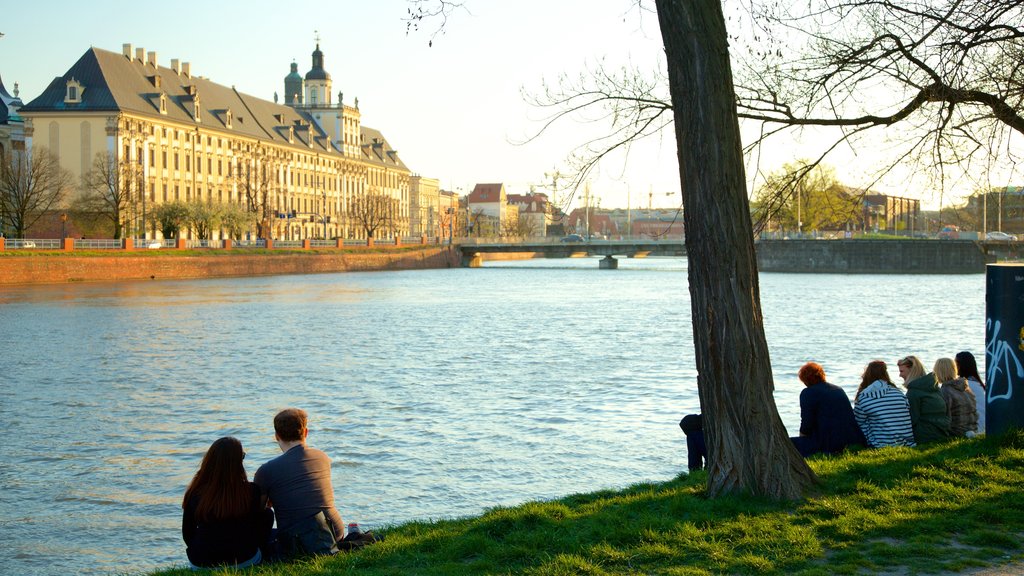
[63,225]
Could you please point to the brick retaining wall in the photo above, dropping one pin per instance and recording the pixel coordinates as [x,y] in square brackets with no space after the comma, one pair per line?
[49,269]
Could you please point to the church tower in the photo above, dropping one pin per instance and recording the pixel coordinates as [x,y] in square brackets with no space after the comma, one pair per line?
[318,82]
[294,87]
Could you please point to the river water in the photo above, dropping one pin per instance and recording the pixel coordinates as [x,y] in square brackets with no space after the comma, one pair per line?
[437,393]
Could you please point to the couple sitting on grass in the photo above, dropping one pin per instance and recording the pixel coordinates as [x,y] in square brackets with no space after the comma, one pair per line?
[937,405]
[228,520]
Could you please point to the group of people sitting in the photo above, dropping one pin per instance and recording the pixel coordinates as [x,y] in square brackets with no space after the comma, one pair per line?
[945,403]
[228,520]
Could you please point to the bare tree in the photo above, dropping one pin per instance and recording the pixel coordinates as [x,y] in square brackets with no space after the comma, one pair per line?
[940,80]
[748,445]
[373,210]
[111,188]
[30,184]
[257,183]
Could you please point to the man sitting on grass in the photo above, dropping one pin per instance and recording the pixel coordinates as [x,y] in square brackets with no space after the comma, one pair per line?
[826,417]
[298,484]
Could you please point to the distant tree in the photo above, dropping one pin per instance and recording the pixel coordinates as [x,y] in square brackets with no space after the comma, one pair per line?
[806,197]
[518,226]
[235,220]
[31,183]
[111,188]
[256,180]
[373,211]
[170,218]
[203,217]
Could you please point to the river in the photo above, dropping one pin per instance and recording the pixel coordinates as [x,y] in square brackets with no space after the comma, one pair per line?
[437,393]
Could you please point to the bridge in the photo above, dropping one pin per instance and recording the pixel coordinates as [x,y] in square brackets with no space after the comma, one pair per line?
[472,254]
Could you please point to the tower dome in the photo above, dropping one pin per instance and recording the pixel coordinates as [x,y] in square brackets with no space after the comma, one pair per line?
[317,72]
[294,86]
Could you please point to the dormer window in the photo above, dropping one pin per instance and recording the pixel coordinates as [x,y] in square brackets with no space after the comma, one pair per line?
[198,110]
[227,119]
[74,92]
[163,103]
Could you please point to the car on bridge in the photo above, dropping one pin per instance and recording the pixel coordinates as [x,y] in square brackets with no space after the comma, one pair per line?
[949,233]
[1000,236]
[572,238]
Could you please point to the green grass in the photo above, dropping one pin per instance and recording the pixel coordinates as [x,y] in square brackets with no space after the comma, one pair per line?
[946,507]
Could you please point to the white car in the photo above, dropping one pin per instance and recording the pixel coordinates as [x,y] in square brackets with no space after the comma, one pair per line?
[155,245]
[28,244]
[1000,236]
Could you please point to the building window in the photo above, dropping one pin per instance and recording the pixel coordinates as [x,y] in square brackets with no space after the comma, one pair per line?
[74,92]
[163,159]
[165,192]
[177,192]
[152,158]
[163,107]
[177,161]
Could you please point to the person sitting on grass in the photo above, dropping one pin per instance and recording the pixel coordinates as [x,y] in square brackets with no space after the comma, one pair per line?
[967,367]
[225,519]
[961,406]
[881,410]
[927,408]
[826,418]
[298,483]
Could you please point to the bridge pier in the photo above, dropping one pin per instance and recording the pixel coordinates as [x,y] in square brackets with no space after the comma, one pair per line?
[609,263]
[472,259]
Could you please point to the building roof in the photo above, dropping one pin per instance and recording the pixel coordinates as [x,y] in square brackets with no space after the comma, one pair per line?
[483,193]
[113,82]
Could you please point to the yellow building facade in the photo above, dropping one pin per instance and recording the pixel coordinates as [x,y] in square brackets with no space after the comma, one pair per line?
[300,169]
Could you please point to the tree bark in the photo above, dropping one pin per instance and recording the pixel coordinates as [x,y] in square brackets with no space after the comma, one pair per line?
[748,446]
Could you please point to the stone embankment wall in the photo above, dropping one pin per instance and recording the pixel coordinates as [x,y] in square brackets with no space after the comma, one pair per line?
[872,256]
[49,269]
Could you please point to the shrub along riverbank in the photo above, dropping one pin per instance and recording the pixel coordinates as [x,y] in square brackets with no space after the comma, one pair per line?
[942,508]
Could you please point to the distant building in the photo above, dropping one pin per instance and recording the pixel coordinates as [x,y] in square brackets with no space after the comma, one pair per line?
[12,127]
[535,212]
[896,214]
[488,208]
[194,139]
[1003,209]
[424,206]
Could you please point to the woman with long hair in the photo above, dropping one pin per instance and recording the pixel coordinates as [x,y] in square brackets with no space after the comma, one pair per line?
[881,410]
[927,408]
[961,406]
[968,368]
[225,517]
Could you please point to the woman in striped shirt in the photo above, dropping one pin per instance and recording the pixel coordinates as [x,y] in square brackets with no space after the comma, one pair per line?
[881,410]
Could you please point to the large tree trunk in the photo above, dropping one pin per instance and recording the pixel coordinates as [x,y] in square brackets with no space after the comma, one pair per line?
[748,447]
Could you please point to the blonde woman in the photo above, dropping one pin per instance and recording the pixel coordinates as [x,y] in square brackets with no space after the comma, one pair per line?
[961,405]
[927,408]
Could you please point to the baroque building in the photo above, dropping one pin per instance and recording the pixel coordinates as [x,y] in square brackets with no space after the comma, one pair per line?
[303,170]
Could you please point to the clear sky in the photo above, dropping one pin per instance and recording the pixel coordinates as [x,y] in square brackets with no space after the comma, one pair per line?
[454,111]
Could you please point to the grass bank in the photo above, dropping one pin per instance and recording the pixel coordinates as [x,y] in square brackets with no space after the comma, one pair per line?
[943,508]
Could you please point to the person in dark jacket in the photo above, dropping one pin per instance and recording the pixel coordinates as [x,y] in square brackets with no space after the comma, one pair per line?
[927,407]
[696,451]
[826,417]
[225,518]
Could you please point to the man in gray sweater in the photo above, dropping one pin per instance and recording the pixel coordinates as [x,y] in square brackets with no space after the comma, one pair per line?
[298,484]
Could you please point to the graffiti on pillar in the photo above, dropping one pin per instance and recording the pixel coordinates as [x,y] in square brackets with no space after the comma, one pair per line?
[1003,362]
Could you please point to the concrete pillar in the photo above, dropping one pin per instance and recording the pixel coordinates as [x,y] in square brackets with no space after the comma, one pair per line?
[472,259]
[1004,347]
[307,244]
[128,243]
[609,263]
[341,242]
[369,242]
[227,243]
[3,242]
[270,243]
[398,241]
[181,244]
[66,244]
[423,239]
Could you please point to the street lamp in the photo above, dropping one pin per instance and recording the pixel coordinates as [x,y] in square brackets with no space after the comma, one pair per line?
[63,225]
